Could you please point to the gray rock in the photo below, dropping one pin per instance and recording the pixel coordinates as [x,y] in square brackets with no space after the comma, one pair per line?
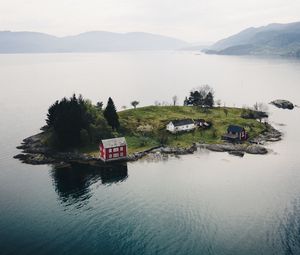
[273,139]
[225,147]
[237,153]
[269,135]
[251,114]
[256,149]
[35,159]
[284,104]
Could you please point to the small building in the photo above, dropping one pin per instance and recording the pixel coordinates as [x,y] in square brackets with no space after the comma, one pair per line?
[235,133]
[184,125]
[113,149]
[202,123]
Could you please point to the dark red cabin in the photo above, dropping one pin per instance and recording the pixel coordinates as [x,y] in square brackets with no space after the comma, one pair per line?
[235,133]
[113,149]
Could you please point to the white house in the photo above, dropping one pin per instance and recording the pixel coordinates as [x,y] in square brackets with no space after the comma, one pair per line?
[176,126]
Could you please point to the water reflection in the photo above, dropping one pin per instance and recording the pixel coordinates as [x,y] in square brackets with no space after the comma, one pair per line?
[289,230]
[73,183]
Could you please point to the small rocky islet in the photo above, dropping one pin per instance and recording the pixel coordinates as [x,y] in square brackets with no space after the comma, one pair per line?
[283,104]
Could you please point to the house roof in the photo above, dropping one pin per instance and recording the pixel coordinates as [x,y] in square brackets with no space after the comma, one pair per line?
[114,142]
[183,122]
[235,129]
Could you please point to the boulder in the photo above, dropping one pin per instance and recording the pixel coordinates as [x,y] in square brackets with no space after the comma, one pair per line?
[224,147]
[35,159]
[256,149]
[284,104]
[237,153]
[251,114]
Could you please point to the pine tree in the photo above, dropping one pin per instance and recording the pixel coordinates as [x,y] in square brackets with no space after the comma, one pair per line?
[111,115]
[52,114]
[209,100]
[186,102]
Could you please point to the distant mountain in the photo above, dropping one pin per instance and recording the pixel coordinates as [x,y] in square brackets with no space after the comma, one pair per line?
[33,42]
[274,39]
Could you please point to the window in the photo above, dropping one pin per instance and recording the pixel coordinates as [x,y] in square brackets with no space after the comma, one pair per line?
[121,154]
[121,148]
[116,155]
[115,149]
[110,156]
[109,150]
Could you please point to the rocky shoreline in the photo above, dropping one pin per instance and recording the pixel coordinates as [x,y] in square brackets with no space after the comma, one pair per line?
[34,152]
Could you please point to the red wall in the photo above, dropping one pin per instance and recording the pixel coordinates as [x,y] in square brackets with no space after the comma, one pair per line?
[106,154]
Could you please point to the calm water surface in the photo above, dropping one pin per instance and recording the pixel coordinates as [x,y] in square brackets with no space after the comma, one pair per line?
[207,203]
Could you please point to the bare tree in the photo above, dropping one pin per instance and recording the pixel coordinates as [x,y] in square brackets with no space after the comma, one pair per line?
[99,105]
[201,96]
[157,103]
[175,99]
[205,89]
[260,107]
[261,111]
[134,103]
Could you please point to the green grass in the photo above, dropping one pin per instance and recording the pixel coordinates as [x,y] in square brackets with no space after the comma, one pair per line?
[159,116]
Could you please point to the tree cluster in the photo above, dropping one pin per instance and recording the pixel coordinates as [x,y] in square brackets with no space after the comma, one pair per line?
[202,96]
[76,122]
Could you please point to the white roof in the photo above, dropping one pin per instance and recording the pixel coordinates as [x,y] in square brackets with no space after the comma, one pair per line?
[114,142]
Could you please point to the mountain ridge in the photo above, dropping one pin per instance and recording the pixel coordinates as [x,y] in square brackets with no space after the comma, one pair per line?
[274,39]
[91,41]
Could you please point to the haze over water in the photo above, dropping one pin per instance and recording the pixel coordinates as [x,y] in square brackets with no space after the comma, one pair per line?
[207,203]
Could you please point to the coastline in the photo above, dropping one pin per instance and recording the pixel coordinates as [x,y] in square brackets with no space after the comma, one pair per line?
[34,152]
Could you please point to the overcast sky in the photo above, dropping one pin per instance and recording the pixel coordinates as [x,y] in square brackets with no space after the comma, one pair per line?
[191,20]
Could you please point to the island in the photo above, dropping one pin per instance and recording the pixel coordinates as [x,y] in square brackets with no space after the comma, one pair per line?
[284,104]
[75,128]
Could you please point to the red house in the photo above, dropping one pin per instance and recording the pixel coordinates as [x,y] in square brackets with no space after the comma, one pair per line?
[113,149]
[235,133]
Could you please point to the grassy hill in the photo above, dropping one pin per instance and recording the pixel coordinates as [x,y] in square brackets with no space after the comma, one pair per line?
[146,127]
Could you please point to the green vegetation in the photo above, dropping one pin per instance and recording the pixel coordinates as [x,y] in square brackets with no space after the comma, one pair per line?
[157,117]
[111,115]
[77,124]
[134,103]
[202,97]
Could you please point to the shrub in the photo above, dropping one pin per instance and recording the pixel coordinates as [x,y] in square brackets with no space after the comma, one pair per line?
[84,137]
